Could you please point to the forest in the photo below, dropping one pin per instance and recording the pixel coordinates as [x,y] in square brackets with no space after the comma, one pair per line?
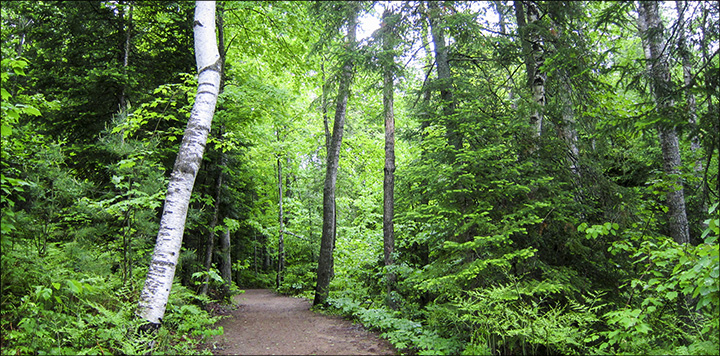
[463,177]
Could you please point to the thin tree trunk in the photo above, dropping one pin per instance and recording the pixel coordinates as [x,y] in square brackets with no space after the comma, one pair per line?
[226,265]
[328,136]
[126,59]
[213,223]
[389,173]
[327,242]
[154,297]
[281,242]
[651,32]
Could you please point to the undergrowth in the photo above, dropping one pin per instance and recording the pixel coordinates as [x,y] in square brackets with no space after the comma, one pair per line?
[60,307]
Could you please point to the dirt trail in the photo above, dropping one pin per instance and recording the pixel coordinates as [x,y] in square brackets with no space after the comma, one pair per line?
[270,324]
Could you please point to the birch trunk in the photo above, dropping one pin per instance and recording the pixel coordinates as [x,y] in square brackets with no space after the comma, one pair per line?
[389,172]
[327,241]
[156,291]
[534,59]
[651,32]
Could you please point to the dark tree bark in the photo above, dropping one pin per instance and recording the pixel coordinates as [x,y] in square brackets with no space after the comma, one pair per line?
[651,32]
[389,173]
[327,242]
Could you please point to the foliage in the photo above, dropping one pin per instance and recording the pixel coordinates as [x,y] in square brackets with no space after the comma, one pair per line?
[506,243]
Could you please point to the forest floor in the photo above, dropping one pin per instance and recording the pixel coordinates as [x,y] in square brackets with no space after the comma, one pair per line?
[270,324]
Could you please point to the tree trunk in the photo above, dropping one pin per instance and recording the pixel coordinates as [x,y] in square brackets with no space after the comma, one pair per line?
[437,31]
[389,173]
[226,265]
[534,59]
[281,242]
[156,291]
[213,223]
[126,60]
[651,32]
[327,241]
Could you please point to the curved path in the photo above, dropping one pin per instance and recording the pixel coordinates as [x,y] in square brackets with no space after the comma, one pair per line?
[270,324]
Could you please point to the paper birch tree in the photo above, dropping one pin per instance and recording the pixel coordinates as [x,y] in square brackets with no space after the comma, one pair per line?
[156,291]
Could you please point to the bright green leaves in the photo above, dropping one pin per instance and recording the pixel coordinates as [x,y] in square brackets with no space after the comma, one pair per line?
[164,116]
[711,233]
[598,230]
[11,110]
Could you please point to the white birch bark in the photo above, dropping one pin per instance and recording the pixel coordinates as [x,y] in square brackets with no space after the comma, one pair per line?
[539,77]
[156,291]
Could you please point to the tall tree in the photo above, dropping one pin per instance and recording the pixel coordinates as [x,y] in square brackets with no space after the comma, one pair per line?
[652,32]
[534,58]
[156,291]
[327,242]
[281,240]
[389,172]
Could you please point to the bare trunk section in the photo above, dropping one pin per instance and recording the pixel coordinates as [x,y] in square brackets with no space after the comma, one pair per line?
[281,241]
[328,136]
[155,293]
[226,265]
[327,242]
[126,60]
[651,32]
[389,172]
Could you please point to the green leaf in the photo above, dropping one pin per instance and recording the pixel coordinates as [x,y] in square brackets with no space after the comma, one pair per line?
[32,111]
[74,286]
[5,130]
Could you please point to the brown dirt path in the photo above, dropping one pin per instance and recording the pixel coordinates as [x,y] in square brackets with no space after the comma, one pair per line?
[270,324]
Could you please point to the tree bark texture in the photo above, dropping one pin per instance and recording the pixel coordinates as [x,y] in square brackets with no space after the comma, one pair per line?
[327,241]
[389,172]
[651,32]
[534,59]
[155,293]
[226,265]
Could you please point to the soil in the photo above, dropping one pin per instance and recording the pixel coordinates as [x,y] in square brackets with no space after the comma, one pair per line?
[266,323]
